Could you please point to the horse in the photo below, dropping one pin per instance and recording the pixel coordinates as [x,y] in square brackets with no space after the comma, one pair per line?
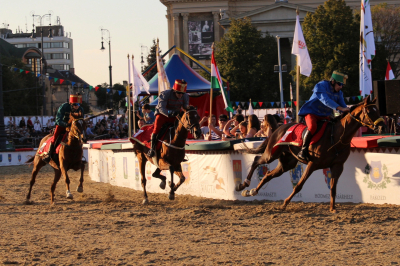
[330,151]
[172,152]
[69,157]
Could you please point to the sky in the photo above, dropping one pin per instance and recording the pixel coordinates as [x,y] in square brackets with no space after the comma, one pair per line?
[132,23]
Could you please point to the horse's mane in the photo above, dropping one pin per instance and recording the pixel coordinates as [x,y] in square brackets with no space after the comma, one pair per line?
[352,108]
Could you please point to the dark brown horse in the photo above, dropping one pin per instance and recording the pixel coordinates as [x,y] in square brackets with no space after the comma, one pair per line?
[69,157]
[172,152]
[323,154]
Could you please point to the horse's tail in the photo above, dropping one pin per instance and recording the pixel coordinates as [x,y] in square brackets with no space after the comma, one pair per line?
[30,161]
[258,150]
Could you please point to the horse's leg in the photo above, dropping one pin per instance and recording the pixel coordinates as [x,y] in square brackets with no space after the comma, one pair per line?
[80,186]
[309,170]
[178,172]
[171,184]
[57,176]
[157,174]
[67,181]
[286,162]
[258,160]
[142,162]
[37,165]
[336,171]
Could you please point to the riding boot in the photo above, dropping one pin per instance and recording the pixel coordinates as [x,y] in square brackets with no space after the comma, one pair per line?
[153,144]
[303,154]
[49,153]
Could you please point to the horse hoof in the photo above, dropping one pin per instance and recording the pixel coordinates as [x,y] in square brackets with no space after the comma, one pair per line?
[253,192]
[246,193]
[28,202]
[333,211]
[171,196]
[162,185]
[239,187]
[69,195]
[145,201]
[79,189]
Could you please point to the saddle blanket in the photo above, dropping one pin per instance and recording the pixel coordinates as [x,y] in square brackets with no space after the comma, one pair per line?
[45,146]
[293,136]
[143,137]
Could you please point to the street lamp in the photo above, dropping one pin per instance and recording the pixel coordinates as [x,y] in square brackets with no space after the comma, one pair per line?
[280,69]
[42,55]
[109,54]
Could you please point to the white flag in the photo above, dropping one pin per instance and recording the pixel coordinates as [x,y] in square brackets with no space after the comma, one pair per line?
[299,48]
[138,81]
[163,82]
[367,48]
[251,111]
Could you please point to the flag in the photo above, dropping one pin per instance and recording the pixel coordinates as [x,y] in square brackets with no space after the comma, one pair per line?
[163,82]
[299,48]
[251,111]
[138,82]
[367,48]
[291,92]
[216,83]
[389,73]
[285,121]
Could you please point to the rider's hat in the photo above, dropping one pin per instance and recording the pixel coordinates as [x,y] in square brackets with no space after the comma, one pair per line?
[180,85]
[75,98]
[339,77]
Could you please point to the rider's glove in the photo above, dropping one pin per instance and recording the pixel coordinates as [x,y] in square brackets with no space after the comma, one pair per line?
[172,113]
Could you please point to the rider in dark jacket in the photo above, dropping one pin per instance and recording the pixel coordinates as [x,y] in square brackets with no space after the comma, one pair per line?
[62,119]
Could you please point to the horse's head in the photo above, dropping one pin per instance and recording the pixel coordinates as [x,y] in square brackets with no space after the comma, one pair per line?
[78,126]
[190,120]
[369,115]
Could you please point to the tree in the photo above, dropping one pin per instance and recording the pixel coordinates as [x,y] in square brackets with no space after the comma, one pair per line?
[332,37]
[246,60]
[386,22]
[101,95]
[22,93]
[117,99]
[152,58]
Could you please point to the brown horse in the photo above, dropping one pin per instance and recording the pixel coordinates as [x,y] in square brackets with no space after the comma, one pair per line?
[331,151]
[69,157]
[172,152]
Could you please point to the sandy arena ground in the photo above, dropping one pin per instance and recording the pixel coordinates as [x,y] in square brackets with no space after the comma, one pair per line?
[108,225]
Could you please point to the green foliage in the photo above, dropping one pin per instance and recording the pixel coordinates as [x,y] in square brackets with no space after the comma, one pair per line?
[114,100]
[246,59]
[152,58]
[119,100]
[332,37]
[86,107]
[23,102]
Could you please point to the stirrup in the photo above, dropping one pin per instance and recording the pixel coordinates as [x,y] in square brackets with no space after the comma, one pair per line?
[303,155]
[47,159]
[151,153]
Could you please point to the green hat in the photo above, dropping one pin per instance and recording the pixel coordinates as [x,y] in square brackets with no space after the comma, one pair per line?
[339,77]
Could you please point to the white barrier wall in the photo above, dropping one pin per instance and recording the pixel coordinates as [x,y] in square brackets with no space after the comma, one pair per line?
[20,157]
[372,177]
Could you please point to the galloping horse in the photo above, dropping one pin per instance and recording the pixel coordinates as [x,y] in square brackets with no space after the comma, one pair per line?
[172,152]
[69,157]
[332,150]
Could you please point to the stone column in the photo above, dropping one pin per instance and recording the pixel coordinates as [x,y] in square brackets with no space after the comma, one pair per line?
[177,36]
[185,34]
[170,33]
[216,27]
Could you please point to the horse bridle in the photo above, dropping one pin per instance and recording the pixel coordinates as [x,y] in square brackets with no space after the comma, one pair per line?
[371,124]
[191,127]
[78,136]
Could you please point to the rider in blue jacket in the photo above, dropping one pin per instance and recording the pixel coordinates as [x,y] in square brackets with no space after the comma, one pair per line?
[327,96]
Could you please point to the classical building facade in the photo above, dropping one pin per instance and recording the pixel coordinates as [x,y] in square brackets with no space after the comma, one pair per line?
[194,24]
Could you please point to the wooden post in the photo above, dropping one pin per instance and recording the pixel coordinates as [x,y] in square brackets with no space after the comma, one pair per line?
[211,101]
[297,90]
[128,94]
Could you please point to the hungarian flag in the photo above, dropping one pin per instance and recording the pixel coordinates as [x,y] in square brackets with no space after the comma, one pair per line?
[389,73]
[216,83]
[163,82]
[299,48]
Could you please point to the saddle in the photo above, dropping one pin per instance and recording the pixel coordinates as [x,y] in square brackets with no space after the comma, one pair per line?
[143,136]
[45,146]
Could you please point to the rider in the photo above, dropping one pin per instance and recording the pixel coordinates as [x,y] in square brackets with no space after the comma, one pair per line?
[170,103]
[62,119]
[327,95]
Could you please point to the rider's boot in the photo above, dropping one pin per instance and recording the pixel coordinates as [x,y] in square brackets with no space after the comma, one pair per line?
[49,153]
[303,154]
[152,150]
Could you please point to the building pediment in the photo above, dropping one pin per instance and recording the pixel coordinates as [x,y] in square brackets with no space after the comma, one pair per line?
[278,12]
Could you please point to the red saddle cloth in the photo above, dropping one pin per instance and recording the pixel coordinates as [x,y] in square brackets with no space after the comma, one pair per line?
[293,136]
[45,146]
[143,136]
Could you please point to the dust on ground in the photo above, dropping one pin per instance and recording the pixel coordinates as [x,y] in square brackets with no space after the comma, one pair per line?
[108,225]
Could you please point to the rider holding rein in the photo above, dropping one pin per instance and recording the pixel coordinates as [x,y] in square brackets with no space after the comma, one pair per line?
[327,96]
[62,119]
[169,105]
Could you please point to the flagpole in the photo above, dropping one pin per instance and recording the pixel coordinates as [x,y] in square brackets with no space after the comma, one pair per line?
[129,101]
[133,113]
[297,81]
[211,96]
